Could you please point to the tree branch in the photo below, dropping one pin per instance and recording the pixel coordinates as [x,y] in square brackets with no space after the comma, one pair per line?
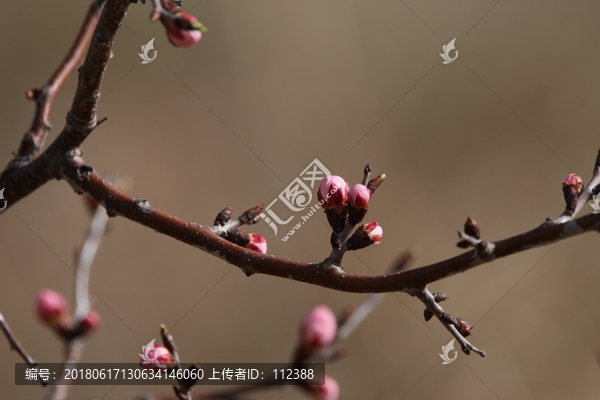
[44,98]
[83,179]
[81,119]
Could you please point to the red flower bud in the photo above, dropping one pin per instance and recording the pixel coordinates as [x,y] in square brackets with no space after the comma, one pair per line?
[155,357]
[333,192]
[330,390]
[52,308]
[182,37]
[90,322]
[575,181]
[318,329]
[257,243]
[375,232]
[359,196]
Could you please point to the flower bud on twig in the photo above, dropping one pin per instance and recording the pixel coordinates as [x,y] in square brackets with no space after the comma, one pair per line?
[365,235]
[89,324]
[575,181]
[329,390]
[427,315]
[252,215]
[252,241]
[571,188]
[358,198]
[157,358]
[375,182]
[333,192]
[223,217]
[183,31]
[257,243]
[318,329]
[52,309]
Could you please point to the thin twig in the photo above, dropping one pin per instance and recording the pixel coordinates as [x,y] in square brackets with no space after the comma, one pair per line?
[428,299]
[18,347]
[74,346]
[60,389]
[84,262]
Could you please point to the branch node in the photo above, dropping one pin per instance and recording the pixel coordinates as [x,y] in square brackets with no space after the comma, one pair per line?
[84,172]
[143,205]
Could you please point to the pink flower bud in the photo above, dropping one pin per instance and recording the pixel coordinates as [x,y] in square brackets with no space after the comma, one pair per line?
[318,329]
[359,196]
[375,232]
[182,37]
[156,358]
[365,235]
[333,192]
[257,243]
[90,322]
[330,390]
[575,181]
[52,308]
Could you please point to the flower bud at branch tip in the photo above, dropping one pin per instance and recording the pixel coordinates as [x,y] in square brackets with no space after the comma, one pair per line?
[318,329]
[375,182]
[177,33]
[359,196]
[571,187]
[575,181]
[52,309]
[358,199]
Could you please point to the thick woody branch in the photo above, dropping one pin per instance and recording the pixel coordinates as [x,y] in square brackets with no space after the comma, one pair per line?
[44,98]
[81,120]
[83,179]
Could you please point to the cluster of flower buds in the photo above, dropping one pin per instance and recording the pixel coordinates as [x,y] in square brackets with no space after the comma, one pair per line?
[228,228]
[53,310]
[346,208]
[183,30]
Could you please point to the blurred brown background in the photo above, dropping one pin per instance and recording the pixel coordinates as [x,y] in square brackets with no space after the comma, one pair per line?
[274,85]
